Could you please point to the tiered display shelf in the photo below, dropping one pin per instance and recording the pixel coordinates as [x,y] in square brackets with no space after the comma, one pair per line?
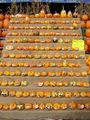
[41,75]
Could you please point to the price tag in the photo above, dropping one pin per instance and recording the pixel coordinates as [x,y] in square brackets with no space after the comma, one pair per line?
[78,44]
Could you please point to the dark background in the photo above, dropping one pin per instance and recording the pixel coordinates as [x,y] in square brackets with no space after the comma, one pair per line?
[54,7]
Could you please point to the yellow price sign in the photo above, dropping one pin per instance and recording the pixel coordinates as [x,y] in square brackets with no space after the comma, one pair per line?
[78,44]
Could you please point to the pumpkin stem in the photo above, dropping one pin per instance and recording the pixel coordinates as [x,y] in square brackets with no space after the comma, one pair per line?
[63,7]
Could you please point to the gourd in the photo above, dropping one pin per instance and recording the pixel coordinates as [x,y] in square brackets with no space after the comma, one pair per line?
[69,15]
[42,13]
[63,13]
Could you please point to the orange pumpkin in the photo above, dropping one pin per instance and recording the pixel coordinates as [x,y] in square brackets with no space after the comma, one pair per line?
[56,15]
[1,16]
[0,33]
[84,17]
[6,23]
[87,32]
[49,15]
[4,33]
[87,41]
[7,16]
[2,43]
[1,24]
[83,24]
[88,24]
[86,48]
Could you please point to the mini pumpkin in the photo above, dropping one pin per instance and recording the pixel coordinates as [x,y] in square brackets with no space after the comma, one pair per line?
[80,106]
[12,93]
[1,106]
[13,106]
[68,94]
[48,106]
[64,106]
[28,106]
[41,106]
[72,105]
[35,106]
[4,83]
[5,107]
[19,94]
[26,94]
[40,94]
[56,106]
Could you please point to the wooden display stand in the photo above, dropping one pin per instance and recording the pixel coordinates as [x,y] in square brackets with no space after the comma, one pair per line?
[42,114]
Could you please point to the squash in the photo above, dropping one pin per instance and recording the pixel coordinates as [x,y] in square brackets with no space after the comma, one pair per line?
[84,17]
[69,15]
[63,13]
[6,23]
[88,24]
[42,13]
